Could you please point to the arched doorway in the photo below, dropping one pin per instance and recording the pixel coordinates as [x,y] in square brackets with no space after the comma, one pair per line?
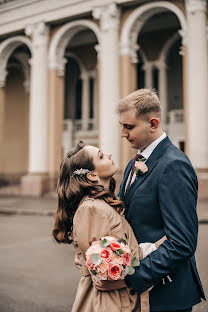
[149,28]
[73,94]
[15,80]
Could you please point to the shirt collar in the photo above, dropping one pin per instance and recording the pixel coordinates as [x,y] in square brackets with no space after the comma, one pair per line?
[149,149]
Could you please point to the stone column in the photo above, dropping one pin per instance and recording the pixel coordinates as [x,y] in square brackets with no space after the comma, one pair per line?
[109,78]
[36,182]
[2,118]
[85,100]
[197,61]
[148,75]
[163,91]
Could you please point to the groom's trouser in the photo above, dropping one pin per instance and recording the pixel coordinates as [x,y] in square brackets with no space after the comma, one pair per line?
[186,310]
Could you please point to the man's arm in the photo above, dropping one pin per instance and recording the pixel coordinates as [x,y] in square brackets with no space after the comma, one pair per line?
[177,190]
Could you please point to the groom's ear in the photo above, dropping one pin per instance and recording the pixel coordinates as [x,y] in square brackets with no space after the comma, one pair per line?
[154,123]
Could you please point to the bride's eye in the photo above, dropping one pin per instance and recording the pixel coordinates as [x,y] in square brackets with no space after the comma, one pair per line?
[101,155]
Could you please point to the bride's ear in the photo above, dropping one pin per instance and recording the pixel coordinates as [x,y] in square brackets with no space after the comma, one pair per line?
[92,176]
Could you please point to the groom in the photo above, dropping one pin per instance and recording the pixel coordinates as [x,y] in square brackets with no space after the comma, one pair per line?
[160,200]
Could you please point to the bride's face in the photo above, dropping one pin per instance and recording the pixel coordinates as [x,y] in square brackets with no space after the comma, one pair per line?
[105,167]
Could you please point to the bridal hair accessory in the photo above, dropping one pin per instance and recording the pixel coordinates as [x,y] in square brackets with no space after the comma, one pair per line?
[81,171]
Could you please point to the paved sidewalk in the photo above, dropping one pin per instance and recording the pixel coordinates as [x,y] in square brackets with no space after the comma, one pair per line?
[43,206]
[46,206]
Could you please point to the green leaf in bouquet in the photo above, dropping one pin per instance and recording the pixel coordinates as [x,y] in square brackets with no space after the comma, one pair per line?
[119,252]
[96,259]
[104,243]
[131,270]
[93,272]
[126,270]
[121,240]
[135,262]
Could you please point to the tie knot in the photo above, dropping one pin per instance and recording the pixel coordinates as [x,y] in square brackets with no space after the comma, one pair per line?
[139,157]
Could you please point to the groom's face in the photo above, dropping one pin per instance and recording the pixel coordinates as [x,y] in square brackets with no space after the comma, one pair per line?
[135,129]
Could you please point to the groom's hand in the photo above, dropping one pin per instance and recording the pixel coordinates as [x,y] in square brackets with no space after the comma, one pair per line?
[108,285]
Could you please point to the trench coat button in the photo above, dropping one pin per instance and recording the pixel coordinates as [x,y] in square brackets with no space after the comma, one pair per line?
[132,292]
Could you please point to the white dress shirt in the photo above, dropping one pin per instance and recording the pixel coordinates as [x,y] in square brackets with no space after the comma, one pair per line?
[146,153]
[147,248]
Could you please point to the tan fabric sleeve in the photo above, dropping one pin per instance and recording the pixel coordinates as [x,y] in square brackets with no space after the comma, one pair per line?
[90,223]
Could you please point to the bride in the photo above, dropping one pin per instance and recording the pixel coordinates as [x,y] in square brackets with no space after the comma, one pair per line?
[87,210]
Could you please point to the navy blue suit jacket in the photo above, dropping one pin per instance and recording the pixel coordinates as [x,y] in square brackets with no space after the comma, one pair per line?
[162,202]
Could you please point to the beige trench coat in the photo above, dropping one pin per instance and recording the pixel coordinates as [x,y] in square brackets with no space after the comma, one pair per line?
[93,220]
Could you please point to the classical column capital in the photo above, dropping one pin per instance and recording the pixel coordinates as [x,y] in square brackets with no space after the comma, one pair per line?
[147,66]
[84,75]
[39,33]
[184,36]
[131,50]
[108,15]
[161,65]
[192,6]
[3,74]
[97,49]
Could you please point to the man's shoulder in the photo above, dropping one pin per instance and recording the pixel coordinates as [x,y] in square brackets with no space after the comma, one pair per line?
[176,160]
[173,154]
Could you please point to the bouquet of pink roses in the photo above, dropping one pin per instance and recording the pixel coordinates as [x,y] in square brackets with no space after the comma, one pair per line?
[110,259]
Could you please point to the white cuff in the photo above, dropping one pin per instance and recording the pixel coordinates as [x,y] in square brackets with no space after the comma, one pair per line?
[147,248]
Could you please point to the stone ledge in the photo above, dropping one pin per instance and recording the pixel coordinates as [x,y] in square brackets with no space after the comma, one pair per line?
[34,185]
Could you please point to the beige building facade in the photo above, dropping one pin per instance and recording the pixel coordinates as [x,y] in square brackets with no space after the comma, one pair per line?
[65,64]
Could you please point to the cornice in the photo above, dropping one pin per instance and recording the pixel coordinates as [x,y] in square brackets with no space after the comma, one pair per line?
[192,6]
[15,15]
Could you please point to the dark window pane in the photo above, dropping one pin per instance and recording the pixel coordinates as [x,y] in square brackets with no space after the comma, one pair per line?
[91,86]
[78,100]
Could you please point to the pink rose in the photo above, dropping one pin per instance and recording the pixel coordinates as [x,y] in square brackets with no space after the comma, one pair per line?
[126,259]
[114,271]
[106,254]
[126,249]
[141,166]
[94,248]
[115,246]
[117,259]
[103,267]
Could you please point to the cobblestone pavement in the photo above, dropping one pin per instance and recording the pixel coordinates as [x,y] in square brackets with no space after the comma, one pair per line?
[38,275]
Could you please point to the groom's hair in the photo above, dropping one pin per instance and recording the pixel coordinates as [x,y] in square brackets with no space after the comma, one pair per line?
[144,101]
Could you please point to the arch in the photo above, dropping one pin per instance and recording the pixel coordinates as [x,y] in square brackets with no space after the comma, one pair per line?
[138,17]
[63,37]
[167,46]
[79,62]
[7,47]
[23,59]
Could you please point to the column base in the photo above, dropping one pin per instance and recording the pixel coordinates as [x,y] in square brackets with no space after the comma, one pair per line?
[35,185]
[203,185]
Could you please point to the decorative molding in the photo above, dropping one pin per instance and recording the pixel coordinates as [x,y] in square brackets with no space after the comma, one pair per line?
[136,20]
[193,6]
[61,40]
[39,34]
[109,16]
[97,49]
[7,47]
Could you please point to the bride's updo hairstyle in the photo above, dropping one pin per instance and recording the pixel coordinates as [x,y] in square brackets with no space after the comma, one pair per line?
[72,188]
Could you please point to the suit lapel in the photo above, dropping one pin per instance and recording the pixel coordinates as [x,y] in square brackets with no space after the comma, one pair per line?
[126,174]
[151,163]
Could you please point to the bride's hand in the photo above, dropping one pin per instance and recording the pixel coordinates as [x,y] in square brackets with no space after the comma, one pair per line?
[77,262]
[160,241]
[108,285]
